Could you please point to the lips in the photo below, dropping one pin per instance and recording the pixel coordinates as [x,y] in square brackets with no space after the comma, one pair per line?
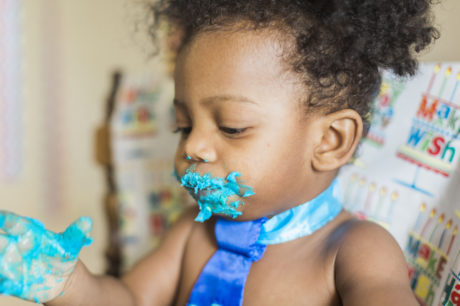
[214,194]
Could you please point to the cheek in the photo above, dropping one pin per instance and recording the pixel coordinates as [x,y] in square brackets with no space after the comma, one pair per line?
[259,169]
[279,164]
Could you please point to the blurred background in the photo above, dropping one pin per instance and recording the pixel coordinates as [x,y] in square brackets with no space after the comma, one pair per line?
[57,64]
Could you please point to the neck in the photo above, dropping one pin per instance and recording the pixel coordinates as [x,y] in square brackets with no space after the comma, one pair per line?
[303,219]
[321,182]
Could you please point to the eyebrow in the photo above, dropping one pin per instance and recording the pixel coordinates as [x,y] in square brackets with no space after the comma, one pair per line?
[219,99]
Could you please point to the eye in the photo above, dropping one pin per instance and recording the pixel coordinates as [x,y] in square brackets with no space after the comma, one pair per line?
[232,131]
[183,130]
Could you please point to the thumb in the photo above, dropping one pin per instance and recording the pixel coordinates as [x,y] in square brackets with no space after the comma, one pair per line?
[77,235]
[84,225]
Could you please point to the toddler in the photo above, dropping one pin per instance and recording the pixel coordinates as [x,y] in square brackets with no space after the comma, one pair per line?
[271,100]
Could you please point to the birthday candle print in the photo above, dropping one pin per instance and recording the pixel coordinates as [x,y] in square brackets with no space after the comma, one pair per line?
[433,140]
[411,173]
[427,253]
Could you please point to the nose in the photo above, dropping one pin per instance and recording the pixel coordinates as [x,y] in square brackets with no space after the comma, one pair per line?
[200,147]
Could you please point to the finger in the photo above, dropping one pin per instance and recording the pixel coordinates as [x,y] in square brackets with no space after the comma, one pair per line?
[8,287]
[35,222]
[11,256]
[26,242]
[77,235]
[12,224]
[37,293]
[81,227]
[85,224]
[4,241]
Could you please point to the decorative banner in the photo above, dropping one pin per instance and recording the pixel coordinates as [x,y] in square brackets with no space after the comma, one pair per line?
[451,291]
[149,198]
[406,176]
[433,140]
[11,154]
[428,253]
[369,201]
[383,110]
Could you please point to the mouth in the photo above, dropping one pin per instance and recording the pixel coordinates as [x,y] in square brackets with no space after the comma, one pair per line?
[215,195]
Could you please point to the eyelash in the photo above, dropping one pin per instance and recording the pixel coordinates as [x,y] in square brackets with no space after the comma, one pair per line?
[226,130]
[232,131]
[183,130]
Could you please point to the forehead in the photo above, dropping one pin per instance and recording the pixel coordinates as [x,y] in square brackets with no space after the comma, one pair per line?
[232,62]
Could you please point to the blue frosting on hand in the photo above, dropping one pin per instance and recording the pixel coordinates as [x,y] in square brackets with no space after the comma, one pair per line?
[33,260]
[213,193]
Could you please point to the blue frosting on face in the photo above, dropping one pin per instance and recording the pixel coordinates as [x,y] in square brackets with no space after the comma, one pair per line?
[33,259]
[213,193]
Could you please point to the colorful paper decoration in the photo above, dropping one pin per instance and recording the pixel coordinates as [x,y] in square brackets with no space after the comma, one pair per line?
[143,147]
[383,110]
[433,139]
[407,178]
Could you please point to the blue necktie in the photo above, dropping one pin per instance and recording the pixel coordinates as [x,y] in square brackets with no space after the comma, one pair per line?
[222,279]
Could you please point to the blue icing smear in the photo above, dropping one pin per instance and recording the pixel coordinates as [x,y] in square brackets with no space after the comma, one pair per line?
[34,259]
[213,193]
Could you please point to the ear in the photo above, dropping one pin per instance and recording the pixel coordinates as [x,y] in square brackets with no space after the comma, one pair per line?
[341,132]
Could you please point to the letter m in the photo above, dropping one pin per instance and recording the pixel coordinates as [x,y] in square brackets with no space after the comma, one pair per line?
[427,111]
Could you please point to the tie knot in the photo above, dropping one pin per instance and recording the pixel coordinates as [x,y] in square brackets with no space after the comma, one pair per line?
[240,237]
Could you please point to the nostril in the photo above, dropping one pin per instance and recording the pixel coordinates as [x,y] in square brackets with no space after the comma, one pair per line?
[196,159]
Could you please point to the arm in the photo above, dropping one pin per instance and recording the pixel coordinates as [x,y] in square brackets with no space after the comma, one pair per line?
[370,268]
[152,281]
[61,279]
[85,288]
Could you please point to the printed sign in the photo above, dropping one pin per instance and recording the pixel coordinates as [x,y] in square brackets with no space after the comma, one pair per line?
[406,176]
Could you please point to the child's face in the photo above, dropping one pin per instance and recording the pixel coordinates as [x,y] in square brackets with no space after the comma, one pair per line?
[238,108]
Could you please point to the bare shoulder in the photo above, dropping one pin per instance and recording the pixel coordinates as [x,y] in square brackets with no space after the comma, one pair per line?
[154,279]
[358,236]
[370,267]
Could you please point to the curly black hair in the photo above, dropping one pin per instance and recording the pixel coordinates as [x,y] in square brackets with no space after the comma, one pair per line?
[341,45]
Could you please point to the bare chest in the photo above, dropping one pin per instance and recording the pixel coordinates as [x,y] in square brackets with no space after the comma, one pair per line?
[293,273]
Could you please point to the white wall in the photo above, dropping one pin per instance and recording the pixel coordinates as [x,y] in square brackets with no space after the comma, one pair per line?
[94,37]
[447,48]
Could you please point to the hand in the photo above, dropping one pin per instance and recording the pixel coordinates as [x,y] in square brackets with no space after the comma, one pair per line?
[35,263]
